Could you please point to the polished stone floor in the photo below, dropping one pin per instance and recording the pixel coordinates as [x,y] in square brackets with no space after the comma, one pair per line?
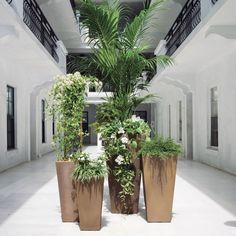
[204,204]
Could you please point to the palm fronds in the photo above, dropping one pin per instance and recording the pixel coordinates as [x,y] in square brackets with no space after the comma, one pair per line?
[119,52]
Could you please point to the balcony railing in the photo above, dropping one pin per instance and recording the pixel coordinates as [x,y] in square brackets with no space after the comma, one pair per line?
[188,19]
[38,24]
[214,1]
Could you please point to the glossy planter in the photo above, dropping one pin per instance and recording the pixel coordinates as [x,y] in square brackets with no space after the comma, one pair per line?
[67,191]
[159,182]
[132,202]
[90,197]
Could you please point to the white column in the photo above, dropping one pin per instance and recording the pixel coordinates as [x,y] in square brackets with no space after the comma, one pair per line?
[62,53]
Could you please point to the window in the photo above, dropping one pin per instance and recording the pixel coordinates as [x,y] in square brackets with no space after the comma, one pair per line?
[214,118]
[142,115]
[85,122]
[180,122]
[169,116]
[43,121]
[10,118]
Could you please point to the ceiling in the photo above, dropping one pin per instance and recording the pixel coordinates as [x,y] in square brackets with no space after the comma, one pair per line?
[61,17]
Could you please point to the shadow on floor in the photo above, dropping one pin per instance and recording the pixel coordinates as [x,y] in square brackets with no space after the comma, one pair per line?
[216,184]
[19,184]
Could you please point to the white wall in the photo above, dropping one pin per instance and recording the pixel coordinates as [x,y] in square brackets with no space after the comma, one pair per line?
[21,153]
[169,95]
[221,74]
[46,147]
[26,136]
[25,65]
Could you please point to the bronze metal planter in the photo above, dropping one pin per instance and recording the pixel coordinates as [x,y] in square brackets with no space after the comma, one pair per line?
[159,182]
[67,191]
[90,197]
[132,202]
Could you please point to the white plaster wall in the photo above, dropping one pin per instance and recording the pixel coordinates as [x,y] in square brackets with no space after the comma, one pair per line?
[24,64]
[169,95]
[14,74]
[221,74]
[46,147]
[10,76]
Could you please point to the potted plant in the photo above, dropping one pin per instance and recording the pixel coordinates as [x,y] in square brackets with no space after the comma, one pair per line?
[119,46]
[121,144]
[159,161]
[67,100]
[89,174]
[118,60]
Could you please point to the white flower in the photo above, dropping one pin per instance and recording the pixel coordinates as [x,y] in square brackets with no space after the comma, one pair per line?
[119,159]
[113,136]
[124,140]
[135,118]
[121,131]
[93,158]
[82,158]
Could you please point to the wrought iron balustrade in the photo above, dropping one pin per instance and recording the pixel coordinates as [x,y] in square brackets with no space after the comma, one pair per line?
[9,1]
[38,24]
[186,22]
[214,1]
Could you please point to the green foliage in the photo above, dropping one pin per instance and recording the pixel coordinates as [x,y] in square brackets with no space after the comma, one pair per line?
[88,167]
[118,52]
[110,110]
[67,102]
[122,142]
[125,179]
[161,148]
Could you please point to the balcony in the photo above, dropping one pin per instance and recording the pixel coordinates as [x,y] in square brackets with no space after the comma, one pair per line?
[188,19]
[34,18]
[214,1]
[186,22]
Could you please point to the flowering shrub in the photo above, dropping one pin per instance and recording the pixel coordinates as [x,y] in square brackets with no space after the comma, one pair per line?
[88,167]
[67,101]
[122,143]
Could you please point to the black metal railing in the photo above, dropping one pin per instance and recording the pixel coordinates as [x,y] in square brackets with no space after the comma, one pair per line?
[38,24]
[188,19]
[214,1]
[9,1]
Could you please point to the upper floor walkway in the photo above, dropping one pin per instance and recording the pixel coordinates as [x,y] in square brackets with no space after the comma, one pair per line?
[204,204]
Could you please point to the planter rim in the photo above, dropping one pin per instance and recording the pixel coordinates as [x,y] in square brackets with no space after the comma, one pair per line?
[158,157]
[92,179]
[61,161]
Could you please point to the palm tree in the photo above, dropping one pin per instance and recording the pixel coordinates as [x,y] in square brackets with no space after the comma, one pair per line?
[118,47]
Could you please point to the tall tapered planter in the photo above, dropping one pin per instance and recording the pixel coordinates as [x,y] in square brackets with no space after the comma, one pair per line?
[132,201]
[90,197]
[158,182]
[67,191]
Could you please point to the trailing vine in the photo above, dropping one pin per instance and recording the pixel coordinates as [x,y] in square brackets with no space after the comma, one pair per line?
[67,102]
[122,144]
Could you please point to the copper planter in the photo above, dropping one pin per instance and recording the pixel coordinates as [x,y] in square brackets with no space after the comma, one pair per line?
[67,191]
[132,202]
[159,182]
[90,197]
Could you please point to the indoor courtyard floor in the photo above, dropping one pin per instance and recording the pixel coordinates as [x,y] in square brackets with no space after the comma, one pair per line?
[204,204]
